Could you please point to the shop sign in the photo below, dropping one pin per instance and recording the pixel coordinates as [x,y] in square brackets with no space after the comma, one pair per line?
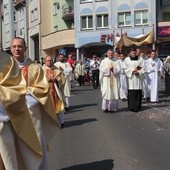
[106,38]
[164,31]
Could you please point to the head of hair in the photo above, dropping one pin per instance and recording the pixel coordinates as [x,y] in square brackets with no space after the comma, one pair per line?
[133,49]
[148,52]
[61,54]
[47,56]
[110,49]
[19,38]
[153,51]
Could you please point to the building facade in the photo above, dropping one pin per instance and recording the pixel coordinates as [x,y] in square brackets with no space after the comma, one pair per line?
[14,21]
[8,23]
[93,27]
[163,27]
[97,22]
[54,27]
[57,27]
[34,47]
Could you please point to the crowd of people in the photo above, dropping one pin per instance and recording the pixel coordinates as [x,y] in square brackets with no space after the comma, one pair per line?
[128,77]
[34,98]
[132,78]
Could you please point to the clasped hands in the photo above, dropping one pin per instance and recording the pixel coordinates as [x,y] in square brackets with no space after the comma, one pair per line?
[136,70]
[61,68]
[51,79]
[111,68]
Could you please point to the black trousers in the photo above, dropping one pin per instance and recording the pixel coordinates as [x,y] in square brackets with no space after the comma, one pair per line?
[167,84]
[95,78]
[134,99]
[81,80]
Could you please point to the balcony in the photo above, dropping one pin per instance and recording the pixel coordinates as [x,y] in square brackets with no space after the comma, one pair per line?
[56,39]
[67,12]
[19,3]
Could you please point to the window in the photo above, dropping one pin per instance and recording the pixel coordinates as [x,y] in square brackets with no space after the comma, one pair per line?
[21,14]
[22,32]
[34,15]
[166,16]
[141,17]
[86,22]
[55,28]
[6,16]
[55,8]
[165,2]
[15,33]
[102,21]
[15,19]
[124,19]
[84,1]
[7,36]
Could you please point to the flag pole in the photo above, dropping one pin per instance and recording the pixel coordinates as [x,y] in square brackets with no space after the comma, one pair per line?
[120,48]
[153,45]
[113,39]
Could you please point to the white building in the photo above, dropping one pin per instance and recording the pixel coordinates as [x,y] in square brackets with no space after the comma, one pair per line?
[8,23]
[34,29]
[99,22]
[14,22]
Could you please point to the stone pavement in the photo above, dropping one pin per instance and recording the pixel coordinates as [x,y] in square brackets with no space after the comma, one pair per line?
[156,114]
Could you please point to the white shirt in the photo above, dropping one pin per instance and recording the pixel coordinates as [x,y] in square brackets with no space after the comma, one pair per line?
[94,64]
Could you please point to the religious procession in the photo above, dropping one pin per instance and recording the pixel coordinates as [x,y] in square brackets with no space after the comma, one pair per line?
[84,85]
[35,97]
[130,77]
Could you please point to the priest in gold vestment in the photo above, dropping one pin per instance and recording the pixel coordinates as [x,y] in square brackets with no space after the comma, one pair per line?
[15,120]
[56,79]
[39,102]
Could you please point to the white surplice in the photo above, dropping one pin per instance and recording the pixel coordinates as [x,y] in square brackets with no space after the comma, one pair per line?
[145,81]
[134,82]
[67,70]
[123,81]
[154,70]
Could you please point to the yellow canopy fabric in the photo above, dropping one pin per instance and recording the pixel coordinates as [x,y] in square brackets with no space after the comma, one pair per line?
[131,41]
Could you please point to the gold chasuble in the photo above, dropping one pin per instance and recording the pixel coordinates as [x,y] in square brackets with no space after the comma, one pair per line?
[12,96]
[38,87]
[56,87]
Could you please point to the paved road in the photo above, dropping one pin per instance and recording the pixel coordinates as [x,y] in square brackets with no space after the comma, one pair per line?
[93,140]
